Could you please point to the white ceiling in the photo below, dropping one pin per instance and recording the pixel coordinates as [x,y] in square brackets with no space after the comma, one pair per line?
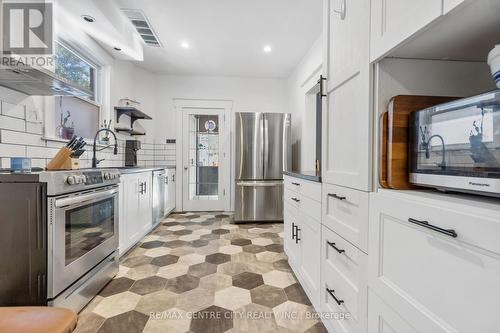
[227,37]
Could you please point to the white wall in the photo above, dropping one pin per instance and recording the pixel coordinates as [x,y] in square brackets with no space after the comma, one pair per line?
[247,94]
[302,107]
[130,81]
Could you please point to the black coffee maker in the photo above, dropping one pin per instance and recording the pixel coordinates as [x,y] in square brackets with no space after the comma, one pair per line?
[131,148]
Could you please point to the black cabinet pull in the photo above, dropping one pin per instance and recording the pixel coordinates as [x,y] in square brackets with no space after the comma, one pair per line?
[425,224]
[145,188]
[296,184]
[293,230]
[141,188]
[295,199]
[335,247]
[332,293]
[297,229]
[338,197]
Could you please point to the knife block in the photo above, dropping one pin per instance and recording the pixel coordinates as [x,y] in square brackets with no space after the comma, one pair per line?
[64,161]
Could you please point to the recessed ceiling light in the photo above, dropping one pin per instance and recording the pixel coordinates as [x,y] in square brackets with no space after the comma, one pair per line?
[88,18]
[185,45]
[117,48]
[267,49]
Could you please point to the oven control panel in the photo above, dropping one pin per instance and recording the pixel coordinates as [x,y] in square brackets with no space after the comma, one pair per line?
[92,177]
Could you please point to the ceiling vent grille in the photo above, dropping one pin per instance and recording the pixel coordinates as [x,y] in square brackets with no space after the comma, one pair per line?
[143,27]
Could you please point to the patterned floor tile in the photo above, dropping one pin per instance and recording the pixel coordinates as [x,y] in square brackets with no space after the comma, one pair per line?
[197,272]
[232,298]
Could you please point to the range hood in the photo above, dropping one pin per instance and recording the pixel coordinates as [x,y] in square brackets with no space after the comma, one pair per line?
[38,82]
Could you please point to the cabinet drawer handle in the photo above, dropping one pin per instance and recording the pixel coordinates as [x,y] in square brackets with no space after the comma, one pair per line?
[425,224]
[295,199]
[293,230]
[297,229]
[342,10]
[332,293]
[296,184]
[335,247]
[338,197]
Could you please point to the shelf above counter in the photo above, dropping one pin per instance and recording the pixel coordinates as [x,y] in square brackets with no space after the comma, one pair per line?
[130,111]
[129,131]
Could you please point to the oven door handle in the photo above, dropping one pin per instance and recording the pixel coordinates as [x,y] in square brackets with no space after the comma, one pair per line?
[84,198]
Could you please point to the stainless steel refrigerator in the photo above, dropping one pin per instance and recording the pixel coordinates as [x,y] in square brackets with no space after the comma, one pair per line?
[263,152]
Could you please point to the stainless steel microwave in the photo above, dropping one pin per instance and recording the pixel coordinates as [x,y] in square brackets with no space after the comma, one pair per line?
[456,146]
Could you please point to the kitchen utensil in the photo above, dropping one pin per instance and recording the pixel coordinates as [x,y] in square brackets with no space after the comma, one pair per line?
[71,142]
[77,153]
[399,109]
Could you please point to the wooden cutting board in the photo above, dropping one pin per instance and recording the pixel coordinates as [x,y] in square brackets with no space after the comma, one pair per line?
[382,169]
[398,113]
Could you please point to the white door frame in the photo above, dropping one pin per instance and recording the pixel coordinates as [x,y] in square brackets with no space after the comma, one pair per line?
[183,105]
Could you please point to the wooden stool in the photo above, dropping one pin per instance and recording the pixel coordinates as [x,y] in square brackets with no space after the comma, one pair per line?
[36,319]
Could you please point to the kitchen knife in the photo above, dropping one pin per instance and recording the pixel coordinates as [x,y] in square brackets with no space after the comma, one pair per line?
[71,142]
[78,153]
[81,143]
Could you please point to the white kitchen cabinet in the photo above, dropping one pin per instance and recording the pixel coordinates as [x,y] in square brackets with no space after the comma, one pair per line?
[347,116]
[145,218]
[291,245]
[348,39]
[309,237]
[383,319]
[434,260]
[170,191]
[344,283]
[345,211]
[136,215]
[302,233]
[394,21]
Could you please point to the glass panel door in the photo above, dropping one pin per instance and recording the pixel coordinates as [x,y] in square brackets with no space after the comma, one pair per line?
[204,157]
[204,167]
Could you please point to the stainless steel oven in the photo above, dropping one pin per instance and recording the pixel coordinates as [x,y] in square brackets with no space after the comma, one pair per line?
[83,231]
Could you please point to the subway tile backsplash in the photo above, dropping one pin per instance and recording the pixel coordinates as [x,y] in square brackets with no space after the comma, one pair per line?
[22,138]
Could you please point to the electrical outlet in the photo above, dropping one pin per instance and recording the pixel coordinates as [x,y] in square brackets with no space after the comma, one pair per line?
[171,140]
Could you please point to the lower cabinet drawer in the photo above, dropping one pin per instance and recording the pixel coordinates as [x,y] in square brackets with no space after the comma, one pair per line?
[304,187]
[344,285]
[345,211]
[383,319]
[304,204]
[435,273]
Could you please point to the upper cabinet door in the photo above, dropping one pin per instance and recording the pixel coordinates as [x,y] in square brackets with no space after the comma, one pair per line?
[348,39]
[393,21]
[346,119]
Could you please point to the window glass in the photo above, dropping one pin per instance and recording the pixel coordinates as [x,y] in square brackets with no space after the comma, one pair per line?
[75,69]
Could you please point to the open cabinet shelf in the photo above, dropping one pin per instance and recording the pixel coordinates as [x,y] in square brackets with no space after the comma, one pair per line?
[129,131]
[134,114]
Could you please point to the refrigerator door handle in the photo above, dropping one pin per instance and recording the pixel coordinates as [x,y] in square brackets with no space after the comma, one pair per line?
[259,184]
[266,145]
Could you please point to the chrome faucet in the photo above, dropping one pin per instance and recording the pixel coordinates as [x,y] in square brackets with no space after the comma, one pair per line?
[94,150]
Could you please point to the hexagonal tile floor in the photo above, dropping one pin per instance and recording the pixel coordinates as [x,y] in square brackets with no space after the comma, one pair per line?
[197,272]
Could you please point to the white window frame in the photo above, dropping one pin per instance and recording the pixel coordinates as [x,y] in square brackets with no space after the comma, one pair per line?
[101,91]
[98,86]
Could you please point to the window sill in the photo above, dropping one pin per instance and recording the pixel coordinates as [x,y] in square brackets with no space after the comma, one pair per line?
[90,142]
